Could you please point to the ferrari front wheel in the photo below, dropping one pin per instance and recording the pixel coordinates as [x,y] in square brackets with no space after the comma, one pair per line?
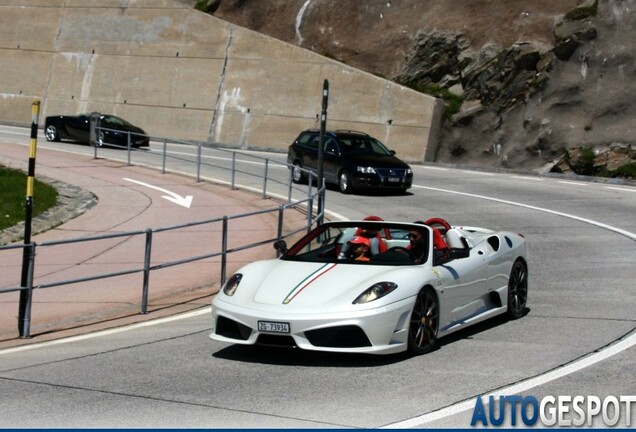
[517,290]
[424,323]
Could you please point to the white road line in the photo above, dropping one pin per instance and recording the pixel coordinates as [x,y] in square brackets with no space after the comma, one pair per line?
[621,189]
[566,215]
[433,168]
[572,183]
[528,178]
[148,323]
[479,173]
[520,387]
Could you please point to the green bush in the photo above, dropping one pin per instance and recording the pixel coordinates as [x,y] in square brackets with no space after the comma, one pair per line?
[626,171]
[585,164]
[453,102]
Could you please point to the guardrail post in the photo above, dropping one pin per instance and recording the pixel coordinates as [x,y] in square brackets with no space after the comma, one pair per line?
[224,251]
[129,147]
[290,187]
[164,156]
[233,170]
[310,211]
[94,129]
[265,178]
[198,162]
[321,202]
[281,214]
[146,283]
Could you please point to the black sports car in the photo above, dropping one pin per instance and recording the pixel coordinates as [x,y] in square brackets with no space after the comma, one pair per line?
[110,130]
[351,160]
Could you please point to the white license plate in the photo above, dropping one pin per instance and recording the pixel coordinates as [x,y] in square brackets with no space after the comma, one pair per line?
[273,327]
[393,179]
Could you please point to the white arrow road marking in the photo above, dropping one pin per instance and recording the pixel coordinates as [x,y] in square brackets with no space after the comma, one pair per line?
[185,201]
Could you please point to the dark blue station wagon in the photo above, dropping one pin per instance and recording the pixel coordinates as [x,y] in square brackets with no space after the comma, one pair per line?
[352,160]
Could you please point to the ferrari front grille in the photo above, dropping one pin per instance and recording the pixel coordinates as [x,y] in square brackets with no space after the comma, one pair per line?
[276,340]
[338,337]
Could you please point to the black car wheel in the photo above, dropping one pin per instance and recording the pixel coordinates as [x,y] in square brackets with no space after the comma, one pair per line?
[517,290]
[51,133]
[100,139]
[424,323]
[344,182]
[298,175]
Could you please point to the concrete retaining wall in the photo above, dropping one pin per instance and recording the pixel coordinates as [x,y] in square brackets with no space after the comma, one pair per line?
[180,73]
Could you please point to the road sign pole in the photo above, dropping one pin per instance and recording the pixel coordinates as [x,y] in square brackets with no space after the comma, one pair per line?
[321,146]
[24,307]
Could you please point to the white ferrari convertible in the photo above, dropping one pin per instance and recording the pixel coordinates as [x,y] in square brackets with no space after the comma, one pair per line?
[374,287]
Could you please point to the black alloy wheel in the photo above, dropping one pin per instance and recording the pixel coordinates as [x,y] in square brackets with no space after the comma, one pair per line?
[424,323]
[517,290]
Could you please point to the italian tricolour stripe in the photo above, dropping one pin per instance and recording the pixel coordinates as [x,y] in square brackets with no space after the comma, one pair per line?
[308,281]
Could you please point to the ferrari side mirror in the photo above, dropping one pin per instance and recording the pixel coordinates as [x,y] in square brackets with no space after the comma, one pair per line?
[281,246]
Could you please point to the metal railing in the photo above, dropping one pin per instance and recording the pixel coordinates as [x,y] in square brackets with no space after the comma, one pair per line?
[298,198]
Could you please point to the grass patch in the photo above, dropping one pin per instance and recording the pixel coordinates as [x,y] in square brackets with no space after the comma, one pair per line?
[13,197]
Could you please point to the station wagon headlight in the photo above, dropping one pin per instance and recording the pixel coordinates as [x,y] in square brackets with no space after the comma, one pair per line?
[375,292]
[366,170]
[230,285]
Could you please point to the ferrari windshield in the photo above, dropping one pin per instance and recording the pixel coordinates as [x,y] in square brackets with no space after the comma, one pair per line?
[367,243]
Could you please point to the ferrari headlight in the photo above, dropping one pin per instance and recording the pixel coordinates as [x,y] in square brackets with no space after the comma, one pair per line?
[366,170]
[374,292]
[230,285]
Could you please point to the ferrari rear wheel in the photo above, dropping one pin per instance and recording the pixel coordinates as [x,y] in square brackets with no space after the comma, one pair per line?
[424,323]
[517,290]
[51,133]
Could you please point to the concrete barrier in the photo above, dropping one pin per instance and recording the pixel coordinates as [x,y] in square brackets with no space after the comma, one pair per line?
[181,73]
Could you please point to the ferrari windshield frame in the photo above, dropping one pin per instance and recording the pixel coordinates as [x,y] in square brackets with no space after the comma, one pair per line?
[328,242]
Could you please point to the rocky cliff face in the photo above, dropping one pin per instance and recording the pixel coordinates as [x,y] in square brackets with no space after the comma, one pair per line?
[542,85]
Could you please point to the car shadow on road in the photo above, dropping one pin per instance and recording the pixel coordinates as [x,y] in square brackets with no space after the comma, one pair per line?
[371,192]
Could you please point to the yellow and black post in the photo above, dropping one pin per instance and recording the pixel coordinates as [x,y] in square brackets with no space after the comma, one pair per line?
[24,308]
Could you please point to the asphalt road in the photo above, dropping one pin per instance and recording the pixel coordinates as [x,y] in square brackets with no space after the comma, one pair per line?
[578,338]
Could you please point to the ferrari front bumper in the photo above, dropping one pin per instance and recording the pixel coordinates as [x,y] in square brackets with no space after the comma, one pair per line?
[382,330]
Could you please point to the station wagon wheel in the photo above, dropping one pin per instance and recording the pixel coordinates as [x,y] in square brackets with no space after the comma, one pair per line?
[424,323]
[344,182]
[100,139]
[51,133]
[298,176]
[517,290]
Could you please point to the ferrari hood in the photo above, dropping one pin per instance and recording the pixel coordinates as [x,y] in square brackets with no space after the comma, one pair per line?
[311,285]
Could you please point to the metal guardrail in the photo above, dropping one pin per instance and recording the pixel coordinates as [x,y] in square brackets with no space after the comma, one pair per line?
[306,203]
